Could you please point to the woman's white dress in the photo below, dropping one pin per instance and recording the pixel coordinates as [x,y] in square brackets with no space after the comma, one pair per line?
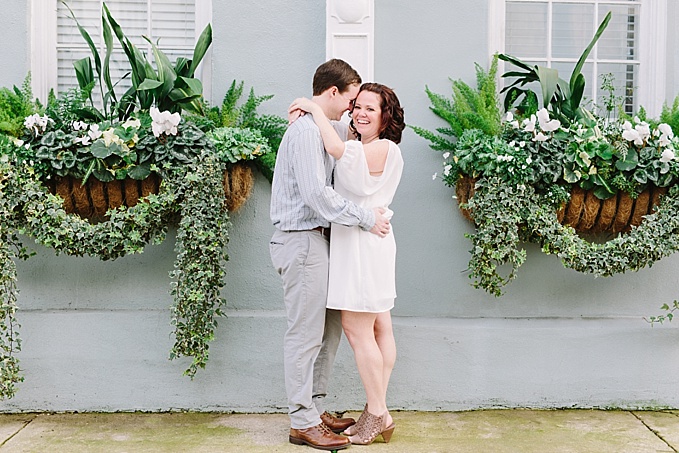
[363,265]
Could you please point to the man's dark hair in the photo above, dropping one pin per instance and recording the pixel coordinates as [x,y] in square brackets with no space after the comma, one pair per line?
[334,73]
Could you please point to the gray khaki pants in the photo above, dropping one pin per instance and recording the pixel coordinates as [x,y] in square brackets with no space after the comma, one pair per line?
[313,335]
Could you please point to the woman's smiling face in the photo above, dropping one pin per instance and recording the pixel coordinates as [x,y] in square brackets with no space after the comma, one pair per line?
[367,115]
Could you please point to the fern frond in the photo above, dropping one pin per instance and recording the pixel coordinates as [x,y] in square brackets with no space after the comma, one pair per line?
[437,142]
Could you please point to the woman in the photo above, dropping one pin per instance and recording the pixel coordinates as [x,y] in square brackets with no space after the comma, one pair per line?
[362,265]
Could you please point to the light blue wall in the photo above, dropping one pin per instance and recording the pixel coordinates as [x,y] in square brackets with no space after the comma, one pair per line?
[97,334]
[273,46]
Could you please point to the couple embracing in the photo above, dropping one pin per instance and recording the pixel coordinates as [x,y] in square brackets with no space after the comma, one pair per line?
[335,251]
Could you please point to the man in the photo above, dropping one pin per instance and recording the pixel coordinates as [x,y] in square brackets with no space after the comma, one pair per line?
[303,204]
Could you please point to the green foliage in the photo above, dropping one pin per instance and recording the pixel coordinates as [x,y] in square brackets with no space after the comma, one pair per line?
[467,109]
[173,151]
[69,106]
[169,87]
[109,151]
[611,101]
[199,276]
[671,115]
[562,98]
[594,156]
[506,215]
[668,316]
[194,191]
[15,105]
[233,144]
[524,173]
[231,114]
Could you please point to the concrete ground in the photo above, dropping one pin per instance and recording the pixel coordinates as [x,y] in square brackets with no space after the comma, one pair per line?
[496,431]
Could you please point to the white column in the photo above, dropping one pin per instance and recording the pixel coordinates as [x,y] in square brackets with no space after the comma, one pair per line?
[43,36]
[204,71]
[350,31]
[653,56]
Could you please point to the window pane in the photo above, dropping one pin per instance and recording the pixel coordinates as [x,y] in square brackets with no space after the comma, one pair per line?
[174,22]
[619,41]
[624,77]
[526,30]
[572,29]
[572,24]
[88,14]
[171,22]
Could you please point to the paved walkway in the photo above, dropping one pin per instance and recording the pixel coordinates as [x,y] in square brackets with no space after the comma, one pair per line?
[497,431]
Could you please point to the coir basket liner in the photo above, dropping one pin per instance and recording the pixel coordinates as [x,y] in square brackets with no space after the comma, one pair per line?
[586,213]
[94,198]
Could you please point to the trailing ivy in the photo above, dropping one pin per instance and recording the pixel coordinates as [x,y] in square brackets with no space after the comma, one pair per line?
[195,192]
[198,275]
[506,215]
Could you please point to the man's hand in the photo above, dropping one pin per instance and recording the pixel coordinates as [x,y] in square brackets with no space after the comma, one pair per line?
[382,225]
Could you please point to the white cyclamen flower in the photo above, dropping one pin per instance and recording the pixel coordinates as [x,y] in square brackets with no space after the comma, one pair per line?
[509,118]
[132,122]
[644,131]
[446,155]
[37,123]
[446,170]
[666,134]
[630,134]
[79,125]
[529,124]
[664,140]
[85,140]
[94,132]
[546,124]
[164,122]
[665,129]
[529,160]
[433,177]
[540,137]
[111,137]
[667,155]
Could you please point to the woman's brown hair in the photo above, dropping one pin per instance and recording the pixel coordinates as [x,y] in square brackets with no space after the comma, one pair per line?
[392,122]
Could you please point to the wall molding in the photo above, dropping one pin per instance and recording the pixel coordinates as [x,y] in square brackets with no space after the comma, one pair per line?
[350,34]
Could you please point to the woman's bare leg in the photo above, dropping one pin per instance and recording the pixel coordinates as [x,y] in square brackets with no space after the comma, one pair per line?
[360,331]
[384,336]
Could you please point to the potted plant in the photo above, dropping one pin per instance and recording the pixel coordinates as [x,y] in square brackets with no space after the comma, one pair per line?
[538,172]
[106,180]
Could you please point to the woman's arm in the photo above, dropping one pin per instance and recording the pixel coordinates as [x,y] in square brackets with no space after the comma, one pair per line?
[332,142]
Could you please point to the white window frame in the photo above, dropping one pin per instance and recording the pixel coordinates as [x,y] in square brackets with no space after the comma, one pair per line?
[652,83]
[43,36]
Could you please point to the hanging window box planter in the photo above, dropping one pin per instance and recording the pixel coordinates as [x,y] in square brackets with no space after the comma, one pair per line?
[543,173]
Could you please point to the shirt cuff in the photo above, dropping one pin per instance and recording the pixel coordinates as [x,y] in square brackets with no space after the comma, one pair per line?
[368,221]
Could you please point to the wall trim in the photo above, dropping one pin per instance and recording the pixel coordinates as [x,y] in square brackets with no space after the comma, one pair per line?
[350,34]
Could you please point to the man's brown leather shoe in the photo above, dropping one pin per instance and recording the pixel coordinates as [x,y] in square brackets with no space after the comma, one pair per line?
[320,437]
[336,425]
